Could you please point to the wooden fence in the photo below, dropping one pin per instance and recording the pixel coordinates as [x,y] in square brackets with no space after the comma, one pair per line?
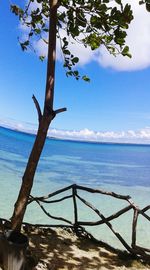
[77,224]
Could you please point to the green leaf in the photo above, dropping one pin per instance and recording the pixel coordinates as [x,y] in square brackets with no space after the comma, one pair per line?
[37,31]
[90,22]
[85,78]
[76,72]
[45,29]
[42,58]
[66,52]
[141,2]
[118,2]
[148,7]
[16,10]
[69,73]
[75,60]
[125,52]
[93,40]
[24,45]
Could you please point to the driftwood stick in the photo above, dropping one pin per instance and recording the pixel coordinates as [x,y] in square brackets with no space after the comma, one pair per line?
[100,222]
[47,225]
[141,253]
[113,194]
[134,225]
[144,215]
[56,201]
[133,204]
[53,217]
[82,188]
[145,208]
[142,248]
[49,195]
[133,249]
[37,107]
[108,224]
[74,192]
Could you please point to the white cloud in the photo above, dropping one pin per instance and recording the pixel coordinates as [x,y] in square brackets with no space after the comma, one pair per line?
[138,40]
[129,136]
[20,126]
[41,47]
[77,49]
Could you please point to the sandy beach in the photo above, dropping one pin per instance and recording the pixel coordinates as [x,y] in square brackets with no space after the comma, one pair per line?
[61,249]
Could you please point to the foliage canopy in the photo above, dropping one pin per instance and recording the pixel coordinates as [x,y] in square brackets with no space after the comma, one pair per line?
[93,23]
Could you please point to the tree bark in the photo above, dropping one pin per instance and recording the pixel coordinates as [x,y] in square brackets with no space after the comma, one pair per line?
[44,122]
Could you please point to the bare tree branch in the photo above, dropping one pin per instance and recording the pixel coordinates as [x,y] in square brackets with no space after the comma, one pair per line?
[37,107]
[60,110]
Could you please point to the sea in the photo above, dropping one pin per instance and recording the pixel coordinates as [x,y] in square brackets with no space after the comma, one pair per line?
[120,168]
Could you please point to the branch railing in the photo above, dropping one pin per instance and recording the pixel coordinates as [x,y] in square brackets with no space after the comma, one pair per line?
[77,224]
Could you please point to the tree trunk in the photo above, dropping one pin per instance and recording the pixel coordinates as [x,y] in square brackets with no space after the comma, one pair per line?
[44,122]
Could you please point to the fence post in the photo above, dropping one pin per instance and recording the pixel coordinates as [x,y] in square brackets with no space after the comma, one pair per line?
[134,225]
[74,192]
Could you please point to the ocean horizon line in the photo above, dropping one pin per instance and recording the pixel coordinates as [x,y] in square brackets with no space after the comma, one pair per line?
[75,140]
[140,136]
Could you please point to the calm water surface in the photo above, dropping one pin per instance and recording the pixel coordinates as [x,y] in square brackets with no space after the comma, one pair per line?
[124,169]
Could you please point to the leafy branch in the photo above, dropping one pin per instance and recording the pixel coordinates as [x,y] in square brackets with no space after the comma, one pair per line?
[92,23]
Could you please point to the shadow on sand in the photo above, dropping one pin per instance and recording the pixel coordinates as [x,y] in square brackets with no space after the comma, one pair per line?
[62,249]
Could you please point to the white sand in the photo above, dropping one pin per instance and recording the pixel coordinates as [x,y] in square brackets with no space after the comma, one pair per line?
[61,249]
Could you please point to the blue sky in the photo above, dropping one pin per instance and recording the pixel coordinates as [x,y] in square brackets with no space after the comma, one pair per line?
[115,105]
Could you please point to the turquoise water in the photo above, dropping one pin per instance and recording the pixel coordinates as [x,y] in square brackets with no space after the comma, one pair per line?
[124,169]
